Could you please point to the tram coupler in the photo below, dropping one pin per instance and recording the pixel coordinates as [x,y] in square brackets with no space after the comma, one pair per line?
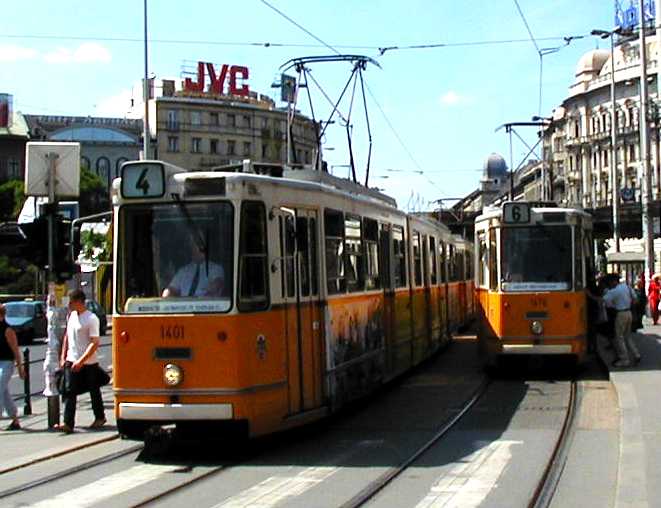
[159,438]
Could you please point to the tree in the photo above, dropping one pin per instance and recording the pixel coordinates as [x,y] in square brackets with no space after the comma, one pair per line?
[94,197]
[12,198]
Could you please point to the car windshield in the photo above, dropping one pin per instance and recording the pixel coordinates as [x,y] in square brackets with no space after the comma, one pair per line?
[19,310]
[176,258]
[537,258]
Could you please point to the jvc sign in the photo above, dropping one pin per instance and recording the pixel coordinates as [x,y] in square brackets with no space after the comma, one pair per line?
[628,17]
[217,79]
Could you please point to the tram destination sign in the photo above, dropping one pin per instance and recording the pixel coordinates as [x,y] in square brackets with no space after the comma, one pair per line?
[516,213]
[143,180]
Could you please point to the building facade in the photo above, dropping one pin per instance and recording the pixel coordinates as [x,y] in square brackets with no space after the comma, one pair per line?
[199,130]
[13,137]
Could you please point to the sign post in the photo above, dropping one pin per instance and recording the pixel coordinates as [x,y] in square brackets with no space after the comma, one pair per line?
[53,169]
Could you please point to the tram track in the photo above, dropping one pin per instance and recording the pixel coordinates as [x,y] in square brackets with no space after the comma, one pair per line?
[24,487]
[546,488]
[371,490]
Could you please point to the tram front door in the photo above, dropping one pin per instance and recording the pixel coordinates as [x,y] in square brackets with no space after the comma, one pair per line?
[299,241]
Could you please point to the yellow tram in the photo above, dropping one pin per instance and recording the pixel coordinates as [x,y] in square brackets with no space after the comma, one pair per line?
[263,297]
[532,262]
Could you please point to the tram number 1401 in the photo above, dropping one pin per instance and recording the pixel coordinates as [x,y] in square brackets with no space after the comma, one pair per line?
[172,332]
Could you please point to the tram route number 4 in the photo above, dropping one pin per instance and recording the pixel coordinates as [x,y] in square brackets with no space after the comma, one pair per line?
[516,213]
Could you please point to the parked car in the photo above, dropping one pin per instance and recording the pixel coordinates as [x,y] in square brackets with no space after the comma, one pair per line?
[96,308]
[28,319]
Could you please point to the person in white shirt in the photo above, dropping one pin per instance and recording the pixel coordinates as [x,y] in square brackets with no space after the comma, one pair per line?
[200,277]
[621,297]
[81,341]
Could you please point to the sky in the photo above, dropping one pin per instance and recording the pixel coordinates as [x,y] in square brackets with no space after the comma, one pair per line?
[433,112]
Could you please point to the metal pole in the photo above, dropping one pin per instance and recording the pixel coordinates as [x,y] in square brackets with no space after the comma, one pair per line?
[615,180]
[543,166]
[27,408]
[509,129]
[52,209]
[648,242]
[145,89]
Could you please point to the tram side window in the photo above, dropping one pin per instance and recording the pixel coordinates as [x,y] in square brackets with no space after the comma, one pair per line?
[578,259]
[493,260]
[384,255]
[371,235]
[399,250]
[253,258]
[483,260]
[302,239]
[355,268]
[288,237]
[334,227]
[314,258]
[452,264]
[433,259]
[417,259]
[442,250]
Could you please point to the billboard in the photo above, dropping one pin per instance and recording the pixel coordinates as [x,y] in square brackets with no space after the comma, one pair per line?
[627,14]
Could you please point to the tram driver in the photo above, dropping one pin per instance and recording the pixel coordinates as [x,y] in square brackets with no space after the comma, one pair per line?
[200,277]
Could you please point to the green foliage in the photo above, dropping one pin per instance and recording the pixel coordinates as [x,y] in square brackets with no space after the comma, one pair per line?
[15,279]
[94,197]
[12,198]
[95,246]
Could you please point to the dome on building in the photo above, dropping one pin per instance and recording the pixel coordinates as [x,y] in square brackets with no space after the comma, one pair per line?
[592,62]
[494,167]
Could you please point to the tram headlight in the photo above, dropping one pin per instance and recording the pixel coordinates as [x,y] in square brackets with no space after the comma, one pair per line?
[537,327]
[173,374]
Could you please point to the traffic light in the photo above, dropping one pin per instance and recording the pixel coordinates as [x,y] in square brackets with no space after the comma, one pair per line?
[63,264]
[35,249]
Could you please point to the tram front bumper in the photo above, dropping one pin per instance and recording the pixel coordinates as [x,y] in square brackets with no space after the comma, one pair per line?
[536,349]
[174,412]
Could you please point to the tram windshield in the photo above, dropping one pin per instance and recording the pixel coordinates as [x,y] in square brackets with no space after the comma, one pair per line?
[176,258]
[536,258]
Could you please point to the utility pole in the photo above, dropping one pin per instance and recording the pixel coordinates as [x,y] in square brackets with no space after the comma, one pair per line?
[646,197]
[145,90]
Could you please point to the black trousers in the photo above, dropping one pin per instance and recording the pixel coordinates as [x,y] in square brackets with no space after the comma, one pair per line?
[70,399]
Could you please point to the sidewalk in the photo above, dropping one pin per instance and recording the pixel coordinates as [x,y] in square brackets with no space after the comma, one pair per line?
[639,396]
[35,442]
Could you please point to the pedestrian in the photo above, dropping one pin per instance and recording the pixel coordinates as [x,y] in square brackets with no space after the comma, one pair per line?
[596,312]
[81,341]
[653,298]
[9,356]
[621,298]
[638,307]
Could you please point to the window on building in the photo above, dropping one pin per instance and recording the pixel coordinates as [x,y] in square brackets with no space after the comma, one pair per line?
[247,148]
[265,123]
[173,119]
[231,147]
[13,168]
[213,146]
[85,163]
[231,120]
[308,159]
[334,230]
[173,144]
[118,165]
[103,169]
[214,120]
[246,121]
[265,150]
[196,145]
[196,118]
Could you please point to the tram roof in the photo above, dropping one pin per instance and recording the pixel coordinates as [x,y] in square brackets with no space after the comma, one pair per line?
[496,212]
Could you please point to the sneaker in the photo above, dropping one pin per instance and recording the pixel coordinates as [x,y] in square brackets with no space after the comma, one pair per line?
[14,425]
[98,423]
[63,427]
[621,363]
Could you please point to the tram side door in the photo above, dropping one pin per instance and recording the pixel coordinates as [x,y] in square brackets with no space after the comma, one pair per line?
[299,241]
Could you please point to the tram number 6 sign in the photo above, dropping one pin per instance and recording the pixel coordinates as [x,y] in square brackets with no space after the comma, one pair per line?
[516,213]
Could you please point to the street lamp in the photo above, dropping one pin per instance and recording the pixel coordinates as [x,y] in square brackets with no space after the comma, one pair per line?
[615,180]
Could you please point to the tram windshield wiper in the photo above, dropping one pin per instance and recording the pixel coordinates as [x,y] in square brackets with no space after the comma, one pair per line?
[202,242]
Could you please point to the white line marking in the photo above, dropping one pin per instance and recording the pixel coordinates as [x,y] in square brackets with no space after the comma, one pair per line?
[106,488]
[470,482]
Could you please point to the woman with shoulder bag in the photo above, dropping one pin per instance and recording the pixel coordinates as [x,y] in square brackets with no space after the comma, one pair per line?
[9,355]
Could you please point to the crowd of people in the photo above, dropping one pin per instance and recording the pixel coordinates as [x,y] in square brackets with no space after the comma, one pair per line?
[81,372]
[616,310]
